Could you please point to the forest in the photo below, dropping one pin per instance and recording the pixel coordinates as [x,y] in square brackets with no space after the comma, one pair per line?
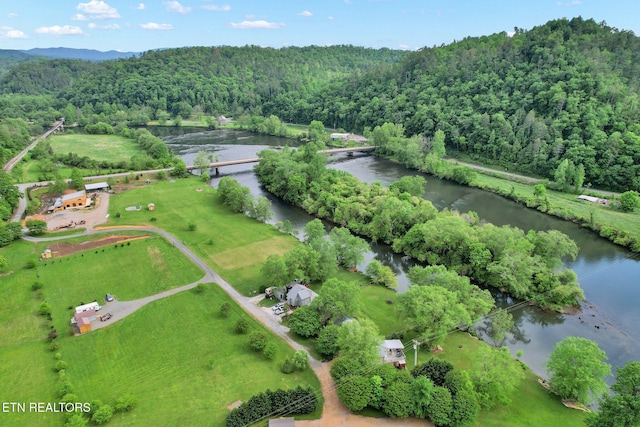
[526,265]
[527,101]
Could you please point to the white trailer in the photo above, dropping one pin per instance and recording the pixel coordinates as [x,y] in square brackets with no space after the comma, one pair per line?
[86,307]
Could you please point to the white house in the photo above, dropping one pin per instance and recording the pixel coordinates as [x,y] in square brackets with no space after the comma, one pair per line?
[300,295]
[392,351]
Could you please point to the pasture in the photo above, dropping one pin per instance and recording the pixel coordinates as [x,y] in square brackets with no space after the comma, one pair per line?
[234,245]
[111,148]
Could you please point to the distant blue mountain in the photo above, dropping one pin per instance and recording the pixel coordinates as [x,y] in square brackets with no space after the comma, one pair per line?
[86,54]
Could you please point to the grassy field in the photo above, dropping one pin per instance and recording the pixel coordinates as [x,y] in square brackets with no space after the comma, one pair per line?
[531,404]
[169,355]
[112,148]
[234,245]
[191,375]
[32,173]
[566,205]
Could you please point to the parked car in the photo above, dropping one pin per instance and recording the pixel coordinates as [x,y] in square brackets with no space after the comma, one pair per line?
[278,306]
[108,298]
[278,311]
[105,317]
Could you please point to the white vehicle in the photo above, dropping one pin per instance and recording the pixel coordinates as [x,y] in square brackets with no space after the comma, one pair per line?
[86,307]
[278,306]
[278,311]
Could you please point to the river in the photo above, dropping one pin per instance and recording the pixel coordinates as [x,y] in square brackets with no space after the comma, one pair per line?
[608,274]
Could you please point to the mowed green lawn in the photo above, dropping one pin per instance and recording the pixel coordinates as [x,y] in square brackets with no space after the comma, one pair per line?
[531,404]
[602,215]
[112,148]
[181,359]
[145,267]
[234,245]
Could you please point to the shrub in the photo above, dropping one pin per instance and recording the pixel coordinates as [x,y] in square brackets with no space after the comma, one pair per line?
[200,288]
[102,415]
[44,309]
[125,403]
[60,365]
[287,366]
[66,389]
[257,340]
[54,346]
[30,264]
[36,286]
[192,226]
[273,403]
[242,326]
[269,351]
[52,335]
[58,356]
[300,359]
[224,309]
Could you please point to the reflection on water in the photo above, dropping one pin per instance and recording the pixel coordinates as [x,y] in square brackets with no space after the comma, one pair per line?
[607,273]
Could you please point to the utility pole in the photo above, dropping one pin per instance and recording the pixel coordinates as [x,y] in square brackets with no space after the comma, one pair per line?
[415,348]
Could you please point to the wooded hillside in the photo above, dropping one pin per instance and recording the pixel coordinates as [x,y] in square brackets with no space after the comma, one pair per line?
[568,89]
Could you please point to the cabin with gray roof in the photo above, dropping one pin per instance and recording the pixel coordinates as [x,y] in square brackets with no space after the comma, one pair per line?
[300,295]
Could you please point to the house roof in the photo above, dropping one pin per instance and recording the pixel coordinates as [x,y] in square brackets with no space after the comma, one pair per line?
[301,291]
[393,344]
[83,318]
[96,186]
[282,422]
[73,195]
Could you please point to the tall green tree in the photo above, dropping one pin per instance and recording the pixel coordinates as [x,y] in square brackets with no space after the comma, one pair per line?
[495,375]
[578,369]
[76,179]
[359,341]
[623,408]
[501,322]
[432,311]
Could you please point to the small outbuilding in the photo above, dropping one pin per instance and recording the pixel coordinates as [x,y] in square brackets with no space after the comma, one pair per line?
[282,422]
[151,207]
[392,351]
[83,320]
[592,199]
[300,295]
[97,186]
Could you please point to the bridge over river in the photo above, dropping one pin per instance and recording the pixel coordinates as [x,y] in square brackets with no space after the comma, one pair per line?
[59,125]
[348,150]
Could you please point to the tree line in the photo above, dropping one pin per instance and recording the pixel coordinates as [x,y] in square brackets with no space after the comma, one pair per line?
[526,265]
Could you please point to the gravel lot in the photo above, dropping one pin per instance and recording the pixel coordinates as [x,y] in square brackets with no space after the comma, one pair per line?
[93,216]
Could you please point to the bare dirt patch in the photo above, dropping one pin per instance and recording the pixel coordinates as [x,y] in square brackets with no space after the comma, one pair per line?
[64,248]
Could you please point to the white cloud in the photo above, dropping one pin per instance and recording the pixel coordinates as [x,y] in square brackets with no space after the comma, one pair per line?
[305,13]
[79,17]
[404,47]
[330,18]
[256,24]
[12,15]
[103,27]
[140,6]
[175,6]
[11,33]
[216,8]
[156,26]
[97,9]
[57,30]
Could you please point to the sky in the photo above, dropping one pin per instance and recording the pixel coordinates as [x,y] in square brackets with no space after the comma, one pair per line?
[138,26]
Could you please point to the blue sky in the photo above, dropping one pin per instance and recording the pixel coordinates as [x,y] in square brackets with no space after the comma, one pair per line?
[133,25]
